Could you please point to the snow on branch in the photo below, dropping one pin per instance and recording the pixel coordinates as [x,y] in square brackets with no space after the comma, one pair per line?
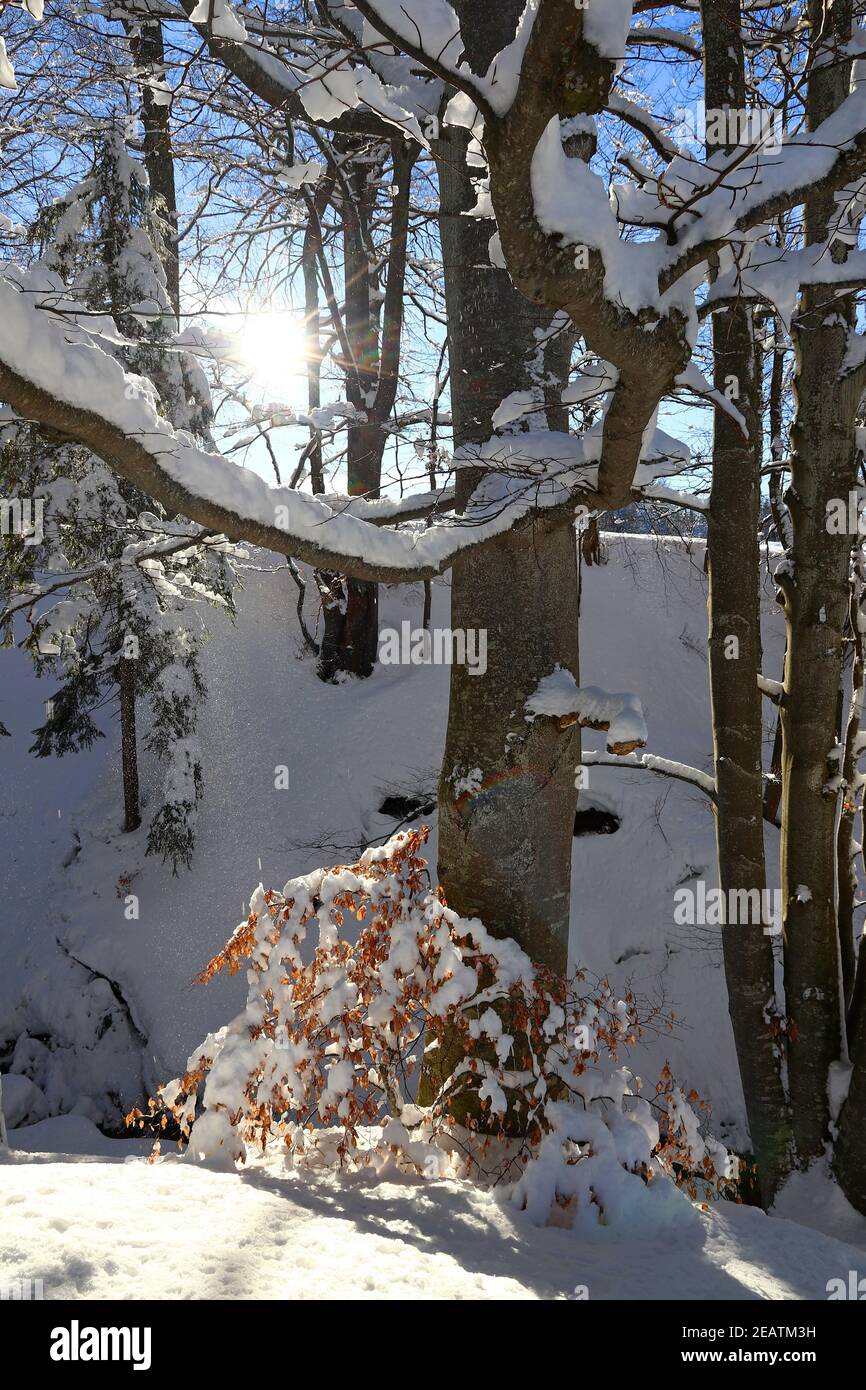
[321,82]
[559,697]
[676,497]
[693,379]
[54,373]
[774,690]
[753,186]
[7,73]
[545,460]
[698,207]
[665,767]
[218,17]
[776,276]
[661,37]
[644,123]
[430,32]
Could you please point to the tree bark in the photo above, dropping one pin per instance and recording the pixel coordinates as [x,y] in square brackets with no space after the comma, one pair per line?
[734,613]
[148,52]
[371,362]
[814,592]
[815,601]
[846,846]
[507,793]
[849,1158]
[352,643]
[850,1150]
[128,744]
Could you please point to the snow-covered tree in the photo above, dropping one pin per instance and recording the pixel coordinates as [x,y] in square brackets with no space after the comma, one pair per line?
[127,627]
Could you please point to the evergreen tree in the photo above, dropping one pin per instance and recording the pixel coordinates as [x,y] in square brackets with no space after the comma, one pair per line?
[126,626]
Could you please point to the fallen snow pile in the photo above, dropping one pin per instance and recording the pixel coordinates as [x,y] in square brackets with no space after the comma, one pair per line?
[521,1069]
[97,1227]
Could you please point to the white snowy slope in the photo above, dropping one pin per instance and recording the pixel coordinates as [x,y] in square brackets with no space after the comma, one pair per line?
[644,630]
[103,1227]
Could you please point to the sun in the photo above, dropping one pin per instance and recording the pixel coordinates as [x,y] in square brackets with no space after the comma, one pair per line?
[271,347]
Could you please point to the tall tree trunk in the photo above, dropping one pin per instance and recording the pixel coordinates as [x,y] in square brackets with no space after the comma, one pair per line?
[846,846]
[814,591]
[128,744]
[850,1149]
[371,360]
[507,788]
[357,619]
[734,614]
[849,1158]
[148,53]
[815,596]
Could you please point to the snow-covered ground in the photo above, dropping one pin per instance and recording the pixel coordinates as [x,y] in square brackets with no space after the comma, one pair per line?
[106,1226]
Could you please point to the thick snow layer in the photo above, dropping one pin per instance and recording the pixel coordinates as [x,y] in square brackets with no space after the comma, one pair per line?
[21,1101]
[558,696]
[572,202]
[116,1227]
[812,1197]
[7,72]
[606,24]
[221,19]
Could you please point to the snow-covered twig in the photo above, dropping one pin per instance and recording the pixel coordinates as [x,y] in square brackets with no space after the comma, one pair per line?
[665,767]
[774,690]
[676,498]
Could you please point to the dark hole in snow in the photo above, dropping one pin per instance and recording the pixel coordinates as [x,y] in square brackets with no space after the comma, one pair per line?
[73,853]
[593,820]
[407,807]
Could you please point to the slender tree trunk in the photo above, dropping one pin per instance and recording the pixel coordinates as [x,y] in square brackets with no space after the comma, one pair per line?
[351,606]
[372,351]
[782,525]
[850,1149]
[813,586]
[734,614]
[858,994]
[355,642]
[128,744]
[846,846]
[815,599]
[148,52]
[849,1159]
